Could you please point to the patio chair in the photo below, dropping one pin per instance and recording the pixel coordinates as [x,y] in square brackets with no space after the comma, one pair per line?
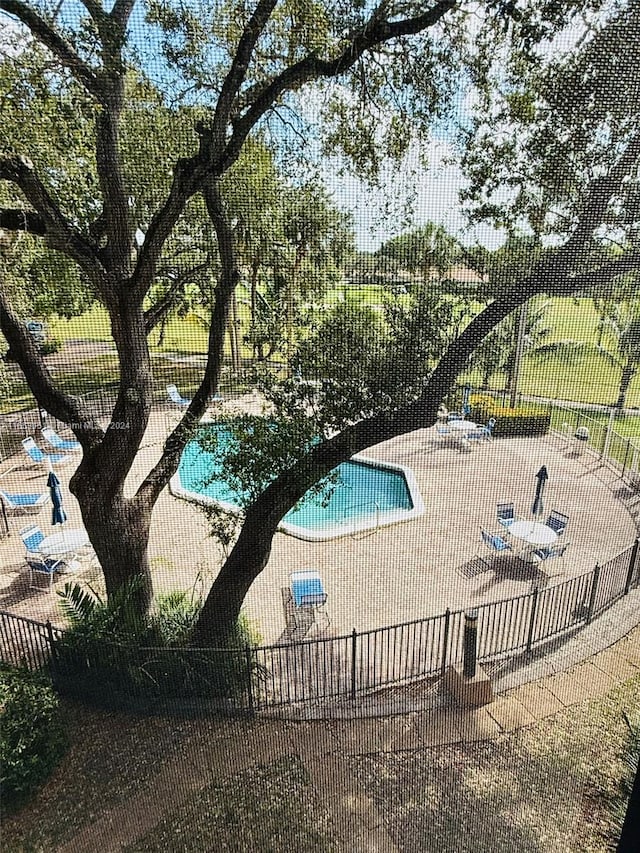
[18,503]
[308,593]
[43,566]
[495,543]
[551,552]
[176,397]
[58,443]
[557,521]
[443,432]
[36,455]
[32,538]
[506,512]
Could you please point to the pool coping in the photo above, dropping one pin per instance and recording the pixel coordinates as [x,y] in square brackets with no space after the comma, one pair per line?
[383,519]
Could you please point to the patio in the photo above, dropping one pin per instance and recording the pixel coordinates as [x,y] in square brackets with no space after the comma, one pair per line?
[394,574]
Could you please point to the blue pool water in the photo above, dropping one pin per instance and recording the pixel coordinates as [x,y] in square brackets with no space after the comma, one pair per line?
[365,494]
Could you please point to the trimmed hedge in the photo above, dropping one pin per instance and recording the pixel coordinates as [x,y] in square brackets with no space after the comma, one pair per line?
[32,735]
[522,421]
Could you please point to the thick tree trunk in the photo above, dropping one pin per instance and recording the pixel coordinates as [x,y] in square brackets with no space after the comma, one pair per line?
[118,528]
[221,610]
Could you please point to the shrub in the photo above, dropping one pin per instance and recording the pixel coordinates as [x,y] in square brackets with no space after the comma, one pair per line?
[32,734]
[523,420]
[112,656]
[50,346]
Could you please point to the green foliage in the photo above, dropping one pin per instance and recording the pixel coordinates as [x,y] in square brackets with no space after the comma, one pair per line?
[175,614]
[94,621]
[32,734]
[113,657]
[518,422]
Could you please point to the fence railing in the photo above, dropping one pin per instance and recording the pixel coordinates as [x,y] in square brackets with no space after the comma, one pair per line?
[317,669]
[621,451]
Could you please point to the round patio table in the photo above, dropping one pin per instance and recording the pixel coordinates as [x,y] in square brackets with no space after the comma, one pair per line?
[67,542]
[533,532]
[462,426]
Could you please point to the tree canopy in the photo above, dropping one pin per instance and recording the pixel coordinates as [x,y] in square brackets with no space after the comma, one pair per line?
[162,100]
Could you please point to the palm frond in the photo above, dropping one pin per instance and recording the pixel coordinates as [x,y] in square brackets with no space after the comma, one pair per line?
[78,604]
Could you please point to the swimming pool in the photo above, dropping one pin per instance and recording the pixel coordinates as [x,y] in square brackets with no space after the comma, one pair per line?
[366,494]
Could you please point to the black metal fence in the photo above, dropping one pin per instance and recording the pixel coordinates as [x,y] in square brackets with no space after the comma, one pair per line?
[245,680]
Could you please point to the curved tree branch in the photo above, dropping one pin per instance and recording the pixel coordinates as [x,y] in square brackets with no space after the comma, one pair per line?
[237,72]
[66,408]
[17,219]
[156,312]
[58,232]
[46,35]
[174,445]
[373,33]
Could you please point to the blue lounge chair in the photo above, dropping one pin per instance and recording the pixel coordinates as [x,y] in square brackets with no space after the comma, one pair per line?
[36,455]
[176,397]
[60,444]
[24,502]
[307,591]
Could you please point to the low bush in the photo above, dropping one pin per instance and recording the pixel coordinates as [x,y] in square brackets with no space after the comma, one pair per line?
[115,658]
[32,735]
[526,420]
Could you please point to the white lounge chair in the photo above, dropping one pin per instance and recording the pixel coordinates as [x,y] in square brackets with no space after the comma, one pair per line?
[36,455]
[176,397]
[60,444]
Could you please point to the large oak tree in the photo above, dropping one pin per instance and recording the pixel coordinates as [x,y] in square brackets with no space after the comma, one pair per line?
[244,65]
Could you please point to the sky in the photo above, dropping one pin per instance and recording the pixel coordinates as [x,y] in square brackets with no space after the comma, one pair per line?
[411,194]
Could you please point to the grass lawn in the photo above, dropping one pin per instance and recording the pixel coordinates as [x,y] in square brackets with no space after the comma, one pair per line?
[546,788]
[543,789]
[266,809]
[589,378]
[115,756]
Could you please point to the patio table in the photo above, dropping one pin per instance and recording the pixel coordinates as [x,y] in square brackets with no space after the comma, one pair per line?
[459,429]
[532,532]
[462,426]
[67,542]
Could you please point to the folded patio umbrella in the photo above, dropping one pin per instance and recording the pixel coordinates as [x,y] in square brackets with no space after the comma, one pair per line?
[58,515]
[542,476]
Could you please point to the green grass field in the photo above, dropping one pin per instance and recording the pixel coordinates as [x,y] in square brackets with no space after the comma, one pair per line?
[590,378]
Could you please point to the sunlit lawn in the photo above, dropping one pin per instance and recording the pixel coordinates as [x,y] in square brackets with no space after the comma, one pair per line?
[589,378]
[547,788]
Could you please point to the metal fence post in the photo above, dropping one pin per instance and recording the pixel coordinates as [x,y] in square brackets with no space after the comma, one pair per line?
[532,618]
[470,643]
[354,638]
[592,594]
[247,656]
[626,456]
[445,640]
[632,565]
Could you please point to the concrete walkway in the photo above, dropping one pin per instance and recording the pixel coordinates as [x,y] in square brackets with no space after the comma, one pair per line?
[325,747]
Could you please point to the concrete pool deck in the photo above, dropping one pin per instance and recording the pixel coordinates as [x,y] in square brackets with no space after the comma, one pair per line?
[394,574]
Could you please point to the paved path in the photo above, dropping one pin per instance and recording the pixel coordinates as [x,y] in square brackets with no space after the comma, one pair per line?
[325,747]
